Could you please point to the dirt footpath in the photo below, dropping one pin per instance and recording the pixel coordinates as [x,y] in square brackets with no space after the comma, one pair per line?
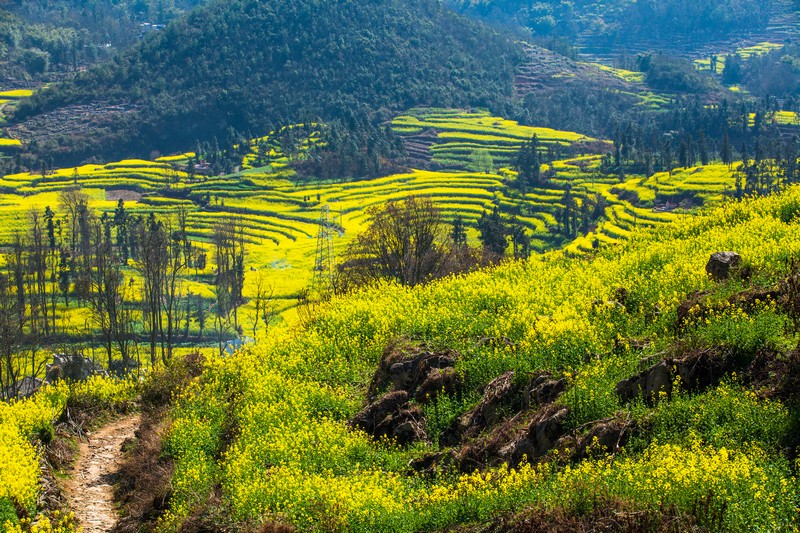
[90,492]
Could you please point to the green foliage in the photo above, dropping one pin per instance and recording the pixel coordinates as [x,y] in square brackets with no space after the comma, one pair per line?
[254,66]
[728,416]
[443,411]
[621,21]
[678,75]
[290,396]
[7,511]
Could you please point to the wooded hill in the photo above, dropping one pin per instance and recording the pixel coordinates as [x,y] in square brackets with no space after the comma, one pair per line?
[252,65]
[46,40]
[621,21]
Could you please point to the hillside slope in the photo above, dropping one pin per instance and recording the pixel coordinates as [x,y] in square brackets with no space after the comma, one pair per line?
[250,65]
[402,409]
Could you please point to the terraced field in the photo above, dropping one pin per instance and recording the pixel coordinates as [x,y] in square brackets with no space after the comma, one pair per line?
[280,214]
[745,53]
[7,99]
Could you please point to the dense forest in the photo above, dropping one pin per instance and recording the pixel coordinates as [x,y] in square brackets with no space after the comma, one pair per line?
[620,21]
[48,39]
[254,66]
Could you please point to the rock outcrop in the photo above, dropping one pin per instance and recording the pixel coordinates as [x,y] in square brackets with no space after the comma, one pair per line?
[721,265]
[696,371]
[526,436]
[502,397]
[409,371]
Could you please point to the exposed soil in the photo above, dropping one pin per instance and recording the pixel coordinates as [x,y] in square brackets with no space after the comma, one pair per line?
[90,492]
[144,486]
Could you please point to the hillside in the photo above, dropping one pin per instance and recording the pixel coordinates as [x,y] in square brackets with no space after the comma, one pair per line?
[622,22]
[280,211]
[48,41]
[514,390]
[251,65]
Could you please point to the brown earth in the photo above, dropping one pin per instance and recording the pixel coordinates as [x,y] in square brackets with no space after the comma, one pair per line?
[90,492]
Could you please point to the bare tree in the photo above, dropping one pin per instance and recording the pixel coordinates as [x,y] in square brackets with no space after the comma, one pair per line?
[151,264]
[265,309]
[12,328]
[229,244]
[38,279]
[110,297]
[173,270]
[73,202]
[405,241]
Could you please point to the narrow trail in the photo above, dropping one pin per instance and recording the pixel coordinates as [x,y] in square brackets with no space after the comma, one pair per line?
[90,492]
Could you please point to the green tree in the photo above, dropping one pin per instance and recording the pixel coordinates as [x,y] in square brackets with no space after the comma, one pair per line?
[493,230]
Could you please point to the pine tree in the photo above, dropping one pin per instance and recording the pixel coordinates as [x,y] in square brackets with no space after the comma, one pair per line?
[726,151]
[458,234]
[493,231]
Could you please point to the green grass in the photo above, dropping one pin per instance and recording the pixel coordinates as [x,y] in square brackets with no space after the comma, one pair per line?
[291,395]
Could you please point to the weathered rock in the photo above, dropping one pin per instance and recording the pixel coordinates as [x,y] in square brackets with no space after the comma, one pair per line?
[121,368]
[691,307]
[604,437]
[373,415]
[749,300]
[74,367]
[543,433]
[501,398]
[429,463]
[24,388]
[649,384]
[409,374]
[439,381]
[498,396]
[697,371]
[721,264]
[391,417]
[543,390]
[526,436]
[406,427]
[406,365]
[701,370]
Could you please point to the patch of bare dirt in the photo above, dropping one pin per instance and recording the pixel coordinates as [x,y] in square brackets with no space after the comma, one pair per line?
[123,194]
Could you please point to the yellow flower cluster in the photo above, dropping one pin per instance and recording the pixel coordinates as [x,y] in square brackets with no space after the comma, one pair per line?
[670,474]
[23,420]
[19,476]
[57,523]
[269,426]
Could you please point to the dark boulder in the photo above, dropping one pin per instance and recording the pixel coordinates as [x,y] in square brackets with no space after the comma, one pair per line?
[122,368]
[692,307]
[542,390]
[649,384]
[721,265]
[429,463]
[697,371]
[439,381]
[749,300]
[374,414]
[405,426]
[406,365]
[524,437]
[72,367]
[498,397]
[24,388]
[392,417]
[603,437]
[409,374]
[502,397]
[704,369]
[541,436]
